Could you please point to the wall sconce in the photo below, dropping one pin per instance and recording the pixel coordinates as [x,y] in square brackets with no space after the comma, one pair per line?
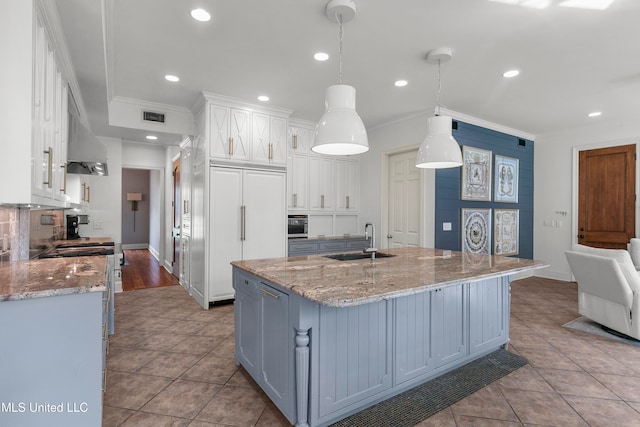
[134,198]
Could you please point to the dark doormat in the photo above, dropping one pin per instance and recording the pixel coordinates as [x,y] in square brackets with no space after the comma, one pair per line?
[419,403]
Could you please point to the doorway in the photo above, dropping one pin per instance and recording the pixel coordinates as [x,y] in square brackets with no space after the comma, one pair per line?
[606,196]
[404,207]
[177,219]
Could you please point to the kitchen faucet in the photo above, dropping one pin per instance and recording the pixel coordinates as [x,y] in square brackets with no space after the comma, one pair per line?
[372,246]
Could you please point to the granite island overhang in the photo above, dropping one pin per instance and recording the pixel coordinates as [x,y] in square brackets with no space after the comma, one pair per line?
[326,338]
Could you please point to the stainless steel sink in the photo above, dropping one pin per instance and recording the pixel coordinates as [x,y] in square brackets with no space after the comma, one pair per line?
[352,256]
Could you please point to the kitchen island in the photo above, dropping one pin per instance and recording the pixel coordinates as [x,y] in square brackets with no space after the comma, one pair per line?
[56,315]
[326,338]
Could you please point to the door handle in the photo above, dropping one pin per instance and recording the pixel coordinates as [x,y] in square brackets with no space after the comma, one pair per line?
[49,181]
[243,215]
[581,236]
[64,179]
[295,142]
[271,294]
[389,236]
[231,146]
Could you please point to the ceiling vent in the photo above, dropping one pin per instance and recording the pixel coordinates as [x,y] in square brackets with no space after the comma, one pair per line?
[151,116]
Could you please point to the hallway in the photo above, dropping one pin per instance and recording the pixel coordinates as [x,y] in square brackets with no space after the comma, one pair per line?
[141,271]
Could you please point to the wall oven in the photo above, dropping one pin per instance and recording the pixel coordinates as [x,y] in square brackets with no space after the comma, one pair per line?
[297,226]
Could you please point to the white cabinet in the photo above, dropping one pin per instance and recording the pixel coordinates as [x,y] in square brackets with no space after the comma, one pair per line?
[321,183]
[300,140]
[268,141]
[297,182]
[35,97]
[347,177]
[247,220]
[229,133]
[240,135]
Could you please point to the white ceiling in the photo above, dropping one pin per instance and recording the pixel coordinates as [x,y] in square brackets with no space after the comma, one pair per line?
[572,61]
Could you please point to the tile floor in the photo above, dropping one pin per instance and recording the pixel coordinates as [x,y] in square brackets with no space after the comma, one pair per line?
[171,364]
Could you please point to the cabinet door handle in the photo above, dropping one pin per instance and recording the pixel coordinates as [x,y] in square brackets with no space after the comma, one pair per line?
[347,202]
[322,201]
[270,151]
[271,294]
[84,191]
[49,181]
[295,200]
[231,146]
[295,142]
[88,194]
[185,206]
[243,215]
[64,179]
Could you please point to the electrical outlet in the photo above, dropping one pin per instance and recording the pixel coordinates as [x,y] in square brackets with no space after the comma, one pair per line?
[446,226]
[97,225]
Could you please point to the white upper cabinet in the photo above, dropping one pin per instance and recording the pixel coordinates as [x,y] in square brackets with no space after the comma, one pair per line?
[321,183]
[297,182]
[35,94]
[229,133]
[269,139]
[240,132]
[347,177]
[300,140]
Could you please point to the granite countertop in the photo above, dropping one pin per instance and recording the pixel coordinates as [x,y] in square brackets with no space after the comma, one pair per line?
[348,283]
[54,276]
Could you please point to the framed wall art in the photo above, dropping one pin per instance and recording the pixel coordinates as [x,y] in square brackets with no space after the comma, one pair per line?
[506,179]
[476,174]
[476,231]
[505,234]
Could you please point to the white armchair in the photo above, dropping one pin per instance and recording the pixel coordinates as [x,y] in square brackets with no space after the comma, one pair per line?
[608,287]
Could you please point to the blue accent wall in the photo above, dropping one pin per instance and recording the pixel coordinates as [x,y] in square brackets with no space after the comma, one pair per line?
[448,203]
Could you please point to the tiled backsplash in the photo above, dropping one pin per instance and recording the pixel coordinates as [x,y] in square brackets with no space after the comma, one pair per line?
[22,230]
[9,235]
[45,226]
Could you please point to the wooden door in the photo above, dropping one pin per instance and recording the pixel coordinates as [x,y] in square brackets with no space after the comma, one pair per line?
[404,201]
[177,204]
[606,196]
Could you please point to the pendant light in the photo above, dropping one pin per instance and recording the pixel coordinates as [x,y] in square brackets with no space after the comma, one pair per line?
[439,150]
[340,130]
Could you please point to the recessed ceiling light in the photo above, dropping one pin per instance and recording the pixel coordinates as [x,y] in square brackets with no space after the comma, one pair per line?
[321,56]
[151,137]
[400,83]
[263,98]
[595,114]
[172,78]
[510,73]
[200,15]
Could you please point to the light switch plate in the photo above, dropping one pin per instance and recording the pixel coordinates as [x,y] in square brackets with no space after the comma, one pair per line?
[446,226]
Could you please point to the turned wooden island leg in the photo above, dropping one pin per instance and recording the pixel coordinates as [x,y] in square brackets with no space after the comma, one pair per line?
[302,376]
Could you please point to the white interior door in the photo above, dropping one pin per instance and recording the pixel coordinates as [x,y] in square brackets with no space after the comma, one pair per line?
[265,204]
[404,201]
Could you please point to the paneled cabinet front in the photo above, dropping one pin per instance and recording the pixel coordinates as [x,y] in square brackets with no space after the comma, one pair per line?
[36,98]
[239,135]
[247,220]
[297,182]
[265,342]
[321,187]
[269,139]
[229,133]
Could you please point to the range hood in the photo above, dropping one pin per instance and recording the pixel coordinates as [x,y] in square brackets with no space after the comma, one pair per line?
[86,154]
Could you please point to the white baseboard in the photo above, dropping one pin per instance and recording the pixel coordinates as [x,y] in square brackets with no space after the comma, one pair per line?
[155,253]
[135,246]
